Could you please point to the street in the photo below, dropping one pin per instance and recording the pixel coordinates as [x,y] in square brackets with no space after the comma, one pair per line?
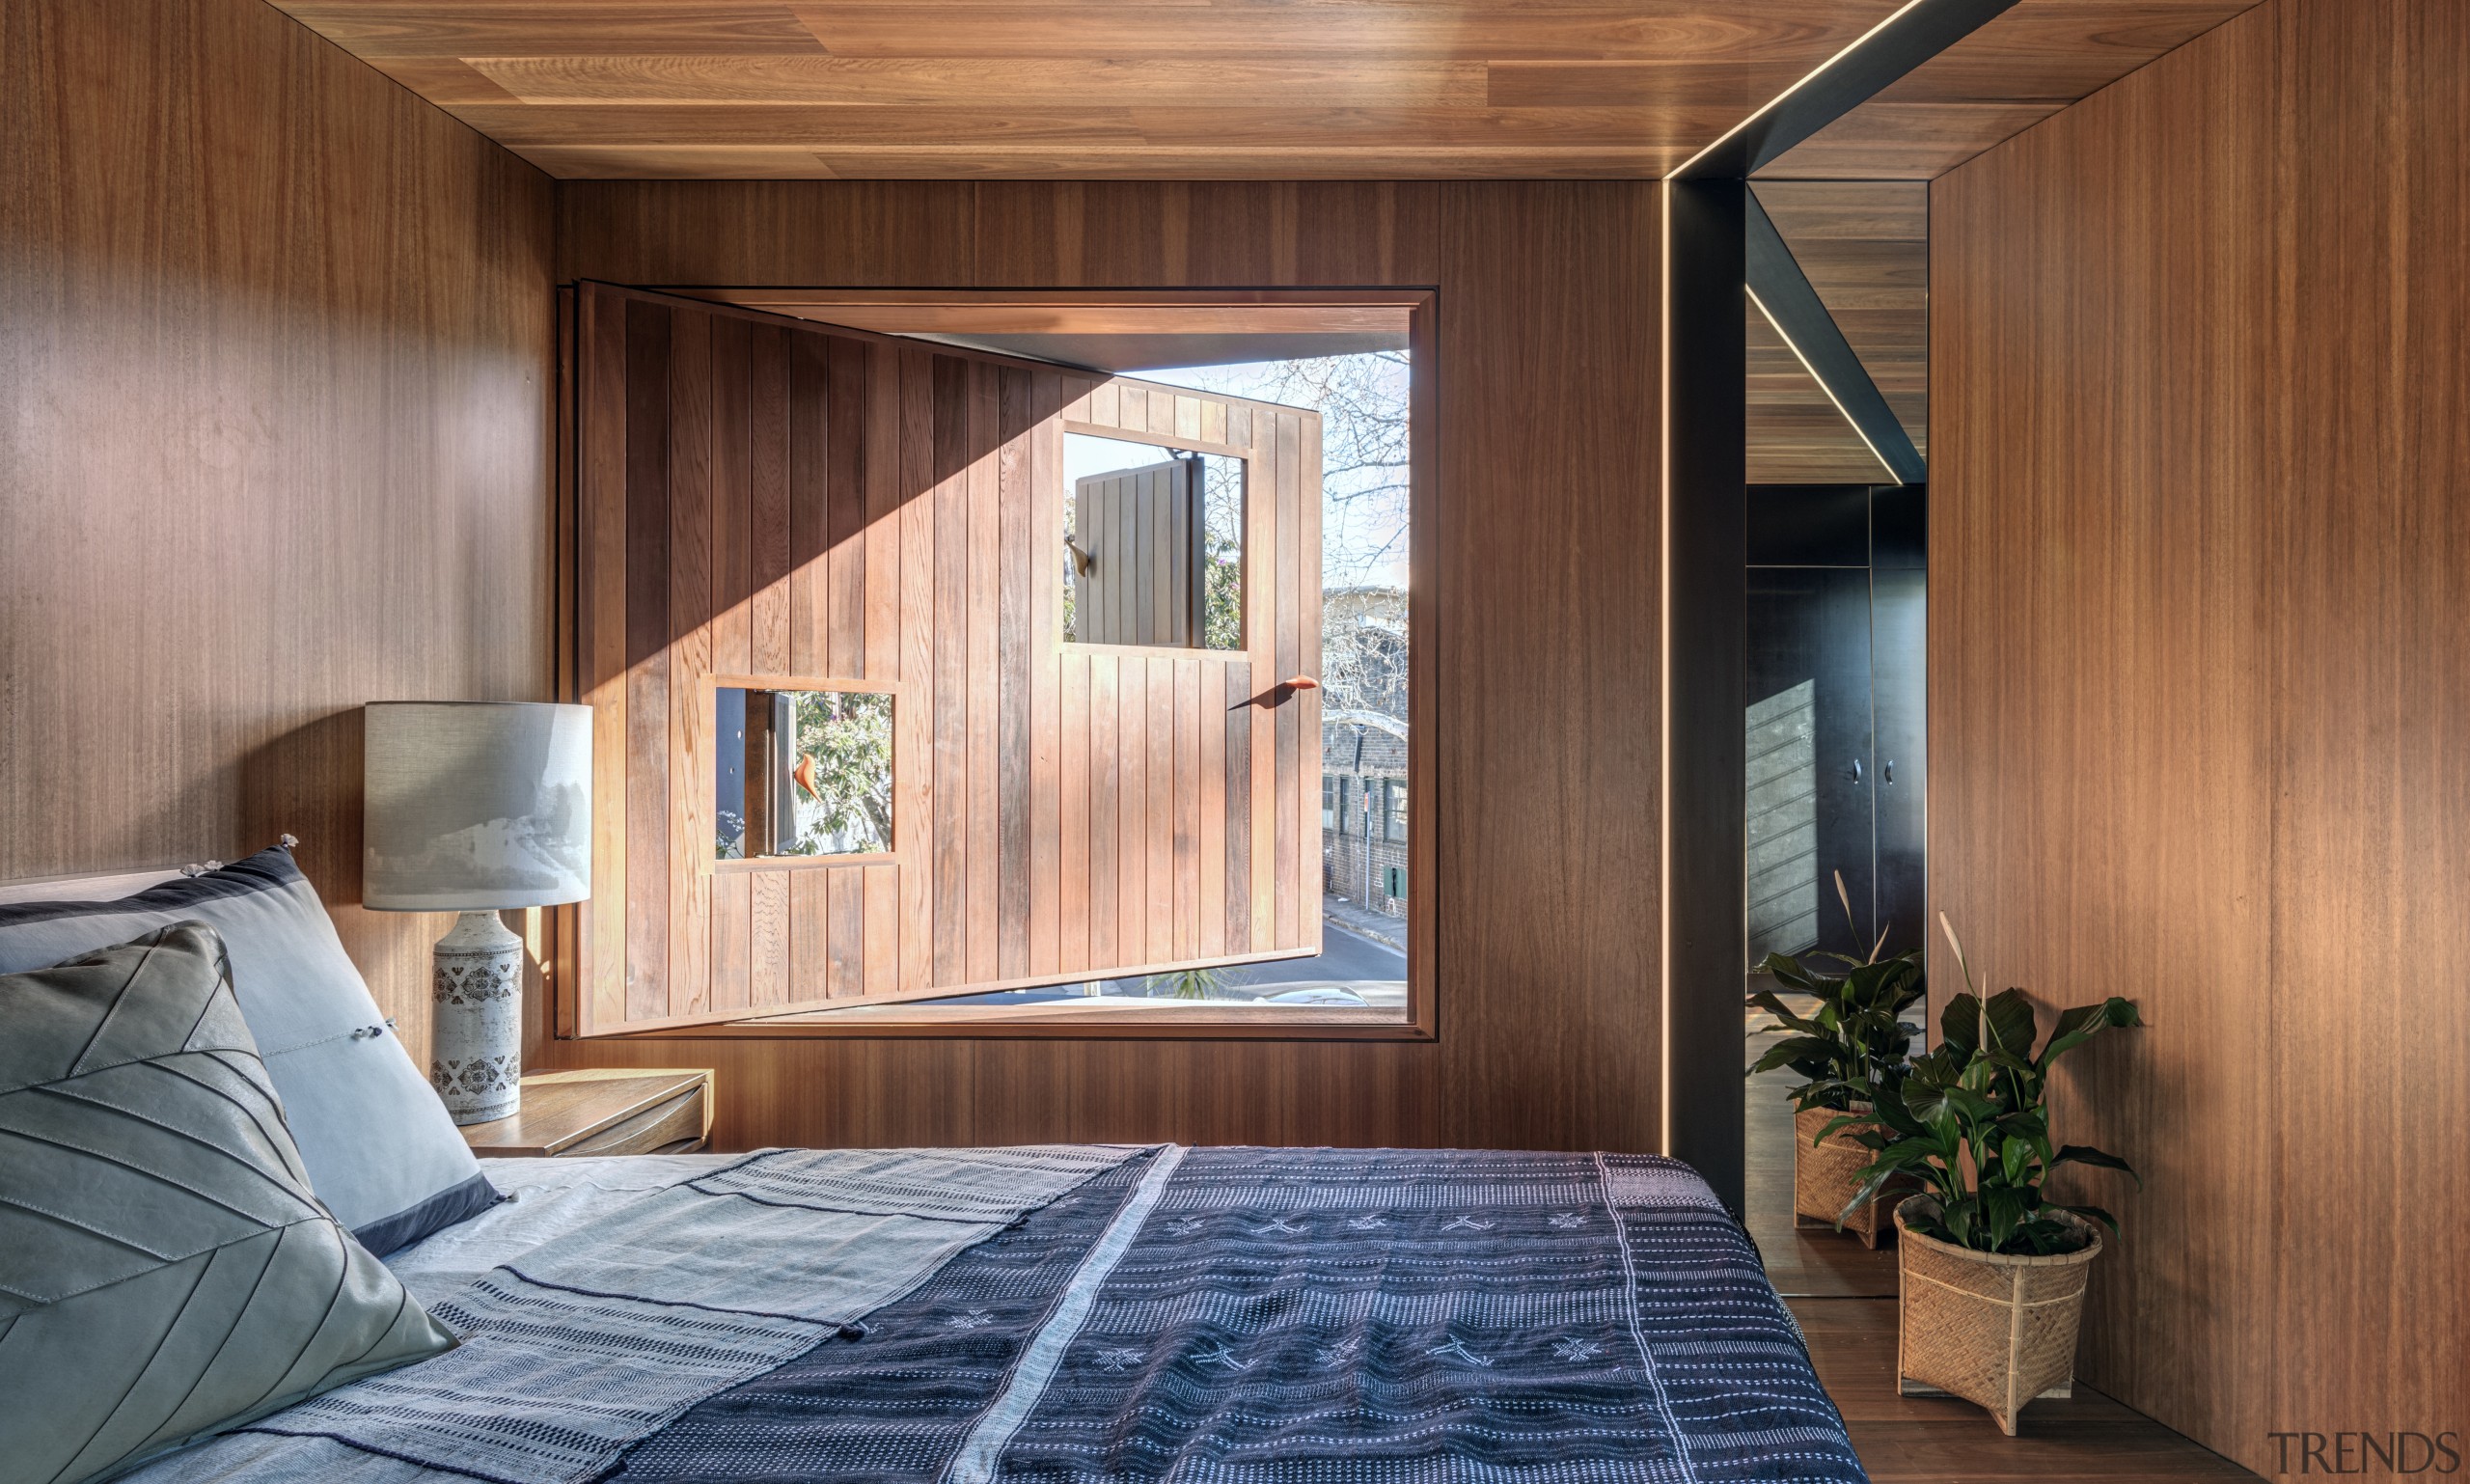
[1346,955]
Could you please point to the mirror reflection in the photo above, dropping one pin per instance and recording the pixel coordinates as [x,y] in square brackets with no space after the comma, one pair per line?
[801,773]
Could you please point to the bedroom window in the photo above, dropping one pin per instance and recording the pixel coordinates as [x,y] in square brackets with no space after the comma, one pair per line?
[965,663]
[1153,545]
[801,772]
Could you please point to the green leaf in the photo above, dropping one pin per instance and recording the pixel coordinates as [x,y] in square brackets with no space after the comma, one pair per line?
[1898,1116]
[2096,1213]
[2082,1022]
[1768,1000]
[2075,1018]
[1828,1093]
[2012,1027]
[1960,1025]
[2003,1211]
[1789,971]
[1794,1050]
[1911,1154]
[2045,1237]
[1971,1105]
[1931,1224]
[1927,1102]
[2029,1122]
[2081,1154]
[1874,1178]
[2007,1061]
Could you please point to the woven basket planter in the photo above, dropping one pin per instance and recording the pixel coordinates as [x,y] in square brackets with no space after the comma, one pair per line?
[1995,1330]
[1824,1177]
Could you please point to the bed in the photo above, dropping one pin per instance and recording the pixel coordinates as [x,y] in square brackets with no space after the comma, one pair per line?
[1214,1315]
[205,1101]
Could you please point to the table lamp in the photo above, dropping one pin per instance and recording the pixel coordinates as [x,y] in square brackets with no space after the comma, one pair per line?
[476,807]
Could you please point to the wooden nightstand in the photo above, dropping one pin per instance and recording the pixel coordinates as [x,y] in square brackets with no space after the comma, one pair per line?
[602,1111]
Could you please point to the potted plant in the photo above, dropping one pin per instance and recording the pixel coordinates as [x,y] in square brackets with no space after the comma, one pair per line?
[1992,1273]
[1853,1053]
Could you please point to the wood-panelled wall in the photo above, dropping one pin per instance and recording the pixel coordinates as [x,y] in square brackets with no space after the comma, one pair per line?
[771,500]
[1535,571]
[2199,566]
[275,352]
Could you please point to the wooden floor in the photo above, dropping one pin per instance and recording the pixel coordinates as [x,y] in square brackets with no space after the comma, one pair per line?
[1844,1297]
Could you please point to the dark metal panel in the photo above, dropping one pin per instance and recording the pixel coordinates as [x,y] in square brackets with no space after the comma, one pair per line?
[1706,541]
[1781,290]
[1900,699]
[1809,525]
[1810,773]
[1898,44]
[1900,526]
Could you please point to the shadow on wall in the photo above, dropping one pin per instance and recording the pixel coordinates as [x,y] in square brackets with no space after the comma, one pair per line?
[306,782]
[820,435]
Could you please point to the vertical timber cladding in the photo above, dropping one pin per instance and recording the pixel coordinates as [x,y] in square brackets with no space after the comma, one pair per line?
[1140,534]
[769,500]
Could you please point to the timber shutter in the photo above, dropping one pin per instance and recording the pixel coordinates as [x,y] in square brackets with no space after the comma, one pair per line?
[1141,530]
[778,504]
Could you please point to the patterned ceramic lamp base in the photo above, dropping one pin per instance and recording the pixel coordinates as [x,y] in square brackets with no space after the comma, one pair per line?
[476,1025]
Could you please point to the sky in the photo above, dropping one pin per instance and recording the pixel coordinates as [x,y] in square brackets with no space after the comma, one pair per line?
[1363,538]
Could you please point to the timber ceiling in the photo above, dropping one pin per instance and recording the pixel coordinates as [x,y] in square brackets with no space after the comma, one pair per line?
[1292,90]
[1258,89]
[1865,247]
[2002,80]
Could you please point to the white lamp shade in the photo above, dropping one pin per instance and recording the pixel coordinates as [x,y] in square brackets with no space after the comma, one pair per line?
[475,806]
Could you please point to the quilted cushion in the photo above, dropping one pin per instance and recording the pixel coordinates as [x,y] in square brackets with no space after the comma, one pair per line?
[382,1151]
[165,1272]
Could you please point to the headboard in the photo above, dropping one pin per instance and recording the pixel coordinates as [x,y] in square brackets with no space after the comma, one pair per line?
[106,886]
[94,885]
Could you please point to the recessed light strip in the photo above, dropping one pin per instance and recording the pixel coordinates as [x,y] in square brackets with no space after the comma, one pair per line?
[1849,419]
[1663,679]
[1908,35]
[1803,81]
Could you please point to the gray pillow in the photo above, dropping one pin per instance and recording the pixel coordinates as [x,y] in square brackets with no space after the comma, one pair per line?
[382,1154]
[165,1272]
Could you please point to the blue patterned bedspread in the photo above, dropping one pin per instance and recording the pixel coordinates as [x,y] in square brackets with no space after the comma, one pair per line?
[1295,1316]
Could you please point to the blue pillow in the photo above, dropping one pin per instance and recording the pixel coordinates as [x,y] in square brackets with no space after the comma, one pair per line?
[380,1151]
[165,1272]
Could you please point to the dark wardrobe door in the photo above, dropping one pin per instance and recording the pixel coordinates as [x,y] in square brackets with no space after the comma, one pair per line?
[1899,638]
[1810,775]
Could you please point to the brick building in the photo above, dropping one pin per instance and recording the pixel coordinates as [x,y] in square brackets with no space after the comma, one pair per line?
[1363,816]
[1364,747]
